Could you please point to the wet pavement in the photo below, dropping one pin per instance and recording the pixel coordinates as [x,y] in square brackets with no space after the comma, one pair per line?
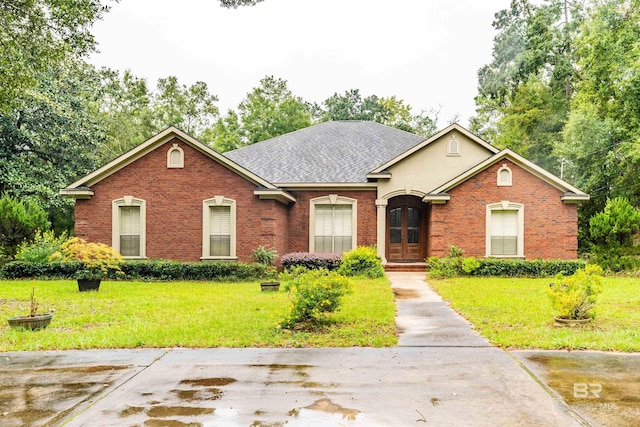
[441,373]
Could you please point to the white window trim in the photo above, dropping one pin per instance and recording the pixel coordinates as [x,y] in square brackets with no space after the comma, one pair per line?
[505,205]
[509,181]
[450,152]
[178,165]
[206,227]
[115,223]
[333,199]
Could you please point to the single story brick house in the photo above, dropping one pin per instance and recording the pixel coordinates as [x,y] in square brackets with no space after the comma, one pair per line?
[328,188]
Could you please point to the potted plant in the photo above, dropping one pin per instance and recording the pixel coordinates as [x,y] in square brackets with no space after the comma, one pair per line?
[33,321]
[267,257]
[97,260]
[574,297]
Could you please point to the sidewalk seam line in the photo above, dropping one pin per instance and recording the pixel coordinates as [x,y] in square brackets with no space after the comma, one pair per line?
[104,395]
[575,414]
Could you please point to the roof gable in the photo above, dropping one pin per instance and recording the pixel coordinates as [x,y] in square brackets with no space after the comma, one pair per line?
[80,188]
[383,167]
[572,194]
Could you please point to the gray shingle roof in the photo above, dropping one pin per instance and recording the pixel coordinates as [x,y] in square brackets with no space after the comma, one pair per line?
[330,152]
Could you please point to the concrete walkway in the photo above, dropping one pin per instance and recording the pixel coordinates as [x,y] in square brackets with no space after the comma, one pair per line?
[442,373]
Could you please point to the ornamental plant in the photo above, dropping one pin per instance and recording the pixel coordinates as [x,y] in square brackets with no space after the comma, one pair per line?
[264,256]
[574,297]
[312,295]
[362,261]
[40,249]
[97,259]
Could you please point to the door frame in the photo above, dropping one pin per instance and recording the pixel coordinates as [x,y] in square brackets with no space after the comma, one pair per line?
[407,201]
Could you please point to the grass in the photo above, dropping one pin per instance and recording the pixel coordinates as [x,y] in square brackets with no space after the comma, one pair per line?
[187,314]
[516,313]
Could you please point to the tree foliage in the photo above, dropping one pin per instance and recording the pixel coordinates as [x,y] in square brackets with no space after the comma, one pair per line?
[50,136]
[38,36]
[269,110]
[524,93]
[388,111]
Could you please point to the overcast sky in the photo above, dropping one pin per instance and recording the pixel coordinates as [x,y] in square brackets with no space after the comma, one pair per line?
[426,52]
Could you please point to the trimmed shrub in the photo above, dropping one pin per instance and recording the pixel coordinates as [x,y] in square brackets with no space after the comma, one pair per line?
[525,268]
[312,295]
[440,268]
[38,270]
[147,270]
[362,261]
[311,260]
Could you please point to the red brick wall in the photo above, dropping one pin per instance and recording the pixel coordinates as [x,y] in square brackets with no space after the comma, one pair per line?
[298,232]
[174,206]
[550,226]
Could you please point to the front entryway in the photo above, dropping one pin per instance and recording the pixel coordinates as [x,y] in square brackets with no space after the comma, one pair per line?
[406,229]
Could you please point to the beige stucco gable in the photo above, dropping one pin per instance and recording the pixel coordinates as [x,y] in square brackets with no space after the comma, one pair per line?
[436,161]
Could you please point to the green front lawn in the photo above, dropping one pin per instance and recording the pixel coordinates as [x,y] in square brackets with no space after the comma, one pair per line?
[188,314]
[516,313]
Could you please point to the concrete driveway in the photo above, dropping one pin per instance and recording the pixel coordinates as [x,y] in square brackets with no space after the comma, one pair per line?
[442,373]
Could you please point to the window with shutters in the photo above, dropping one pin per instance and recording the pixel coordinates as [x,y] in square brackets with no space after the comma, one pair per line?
[219,228]
[128,227]
[505,230]
[332,224]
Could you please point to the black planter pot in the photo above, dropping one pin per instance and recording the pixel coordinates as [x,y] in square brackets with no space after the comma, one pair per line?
[88,284]
[34,323]
[270,286]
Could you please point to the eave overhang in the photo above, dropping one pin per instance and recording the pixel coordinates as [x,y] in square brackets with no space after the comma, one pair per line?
[274,194]
[436,199]
[77,193]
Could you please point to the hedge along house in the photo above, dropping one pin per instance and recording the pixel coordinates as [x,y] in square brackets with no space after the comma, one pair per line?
[327,188]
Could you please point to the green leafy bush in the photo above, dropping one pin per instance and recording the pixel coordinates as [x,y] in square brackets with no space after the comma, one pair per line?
[574,296]
[526,268]
[36,270]
[452,265]
[362,261]
[264,256]
[40,249]
[312,295]
[18,222]
[147,270]
[612,232]
[440,268]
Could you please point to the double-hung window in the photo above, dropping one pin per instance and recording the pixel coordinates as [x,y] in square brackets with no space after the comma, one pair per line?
[220,231]
[219,228]
[505,230]
[128,227]
[333,224]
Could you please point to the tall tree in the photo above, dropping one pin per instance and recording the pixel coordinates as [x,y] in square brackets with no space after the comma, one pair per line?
[602,136]
[190,108]
[389,111]
[51,136]
[271,109]
[524,93]
[126,113]
[39,35]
